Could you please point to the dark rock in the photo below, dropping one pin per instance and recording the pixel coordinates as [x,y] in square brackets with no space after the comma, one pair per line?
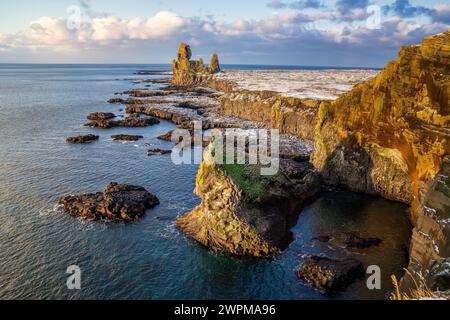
[126,137]
[329,275]
[168,137]
[439,276]
[355,241]
[129,122]
[101,116]
[116,202]
[82,139]
[155,151]
[127,101]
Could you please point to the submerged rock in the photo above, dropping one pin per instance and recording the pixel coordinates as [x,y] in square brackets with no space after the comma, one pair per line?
[82,139]
[126,137]
[101,116]
[328,275]
[155,151]
[358,242]
[116,202]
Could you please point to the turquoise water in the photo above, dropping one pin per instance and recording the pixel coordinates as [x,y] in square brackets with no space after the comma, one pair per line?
[41,105]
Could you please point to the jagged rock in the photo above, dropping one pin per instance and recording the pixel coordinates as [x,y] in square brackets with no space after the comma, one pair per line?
[101,116]
[331,275]
[116,202]
[129,122]
[126,137]
[82,139]
[390,136]
[242,212]
[439,277]
[128,101]
[189,73]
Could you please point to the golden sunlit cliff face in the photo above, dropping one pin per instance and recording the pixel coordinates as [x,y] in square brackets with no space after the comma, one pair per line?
[390,136]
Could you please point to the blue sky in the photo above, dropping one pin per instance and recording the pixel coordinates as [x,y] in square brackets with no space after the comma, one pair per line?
[304,32]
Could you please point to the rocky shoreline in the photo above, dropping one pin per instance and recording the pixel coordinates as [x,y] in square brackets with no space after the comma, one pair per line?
[388,136]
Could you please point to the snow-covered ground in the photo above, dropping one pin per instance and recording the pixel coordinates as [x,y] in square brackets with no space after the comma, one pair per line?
[313,84]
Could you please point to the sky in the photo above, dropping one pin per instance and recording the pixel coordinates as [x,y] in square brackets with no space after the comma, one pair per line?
[344,33]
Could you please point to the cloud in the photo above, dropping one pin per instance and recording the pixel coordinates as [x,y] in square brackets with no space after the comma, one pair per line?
[346,6]
[441,13]
[403,8]
[277,4]
[299,5]
[290,37]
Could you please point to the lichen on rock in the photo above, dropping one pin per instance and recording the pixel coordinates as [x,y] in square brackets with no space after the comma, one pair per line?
[242,213]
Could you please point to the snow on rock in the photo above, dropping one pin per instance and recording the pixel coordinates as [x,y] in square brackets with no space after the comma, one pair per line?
[305,84]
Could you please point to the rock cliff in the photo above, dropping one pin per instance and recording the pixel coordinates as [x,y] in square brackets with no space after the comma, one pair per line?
[390,136]
[244,213]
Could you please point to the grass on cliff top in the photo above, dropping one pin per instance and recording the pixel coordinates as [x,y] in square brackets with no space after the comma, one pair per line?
[256,186]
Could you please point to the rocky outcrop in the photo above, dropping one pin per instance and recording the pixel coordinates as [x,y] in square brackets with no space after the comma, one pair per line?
[132,121]
[329,275]
[244,213]
[187,72]
[126,137]
[82,139]
[390,136]
[116,202]
[101,116]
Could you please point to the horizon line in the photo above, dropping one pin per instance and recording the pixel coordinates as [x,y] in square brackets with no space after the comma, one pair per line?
[169,64]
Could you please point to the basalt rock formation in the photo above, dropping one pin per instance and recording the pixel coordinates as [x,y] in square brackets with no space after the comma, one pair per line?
[82,139]
[101,116]
[329,275]
[116,202]
[390,136]
[187,72]
[126,137]
[244,213]
[289,115]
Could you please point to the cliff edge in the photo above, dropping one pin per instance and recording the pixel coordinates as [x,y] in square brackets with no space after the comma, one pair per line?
[390,136]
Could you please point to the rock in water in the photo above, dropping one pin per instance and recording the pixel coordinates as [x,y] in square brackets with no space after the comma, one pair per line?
[82,139]
[101,116]
[244,213]
[128,122]
[330,275]
[116,202]
[126,137]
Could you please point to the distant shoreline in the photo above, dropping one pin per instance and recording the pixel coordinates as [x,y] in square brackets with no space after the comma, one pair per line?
[224,66]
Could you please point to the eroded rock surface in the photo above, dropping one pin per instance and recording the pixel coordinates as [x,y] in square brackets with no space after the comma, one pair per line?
[329,275]
[129,122]
[82,139]
[243,213]
[101,116]
[126,137]
[116,202]
[391,136]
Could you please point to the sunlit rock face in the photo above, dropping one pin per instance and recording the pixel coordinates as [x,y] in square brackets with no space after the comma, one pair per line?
[390,136]
[245,214]
[187,72]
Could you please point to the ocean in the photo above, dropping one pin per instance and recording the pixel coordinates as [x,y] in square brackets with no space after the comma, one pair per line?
[41,105]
